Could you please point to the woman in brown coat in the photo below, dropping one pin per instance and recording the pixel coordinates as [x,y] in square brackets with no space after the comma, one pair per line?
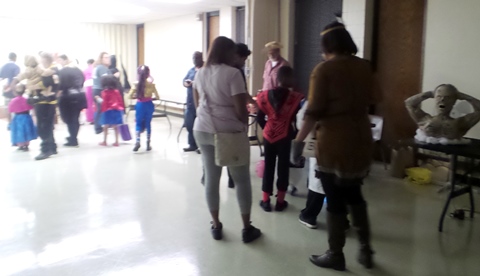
[341,90]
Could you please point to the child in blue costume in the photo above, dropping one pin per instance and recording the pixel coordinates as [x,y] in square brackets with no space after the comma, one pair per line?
[145,92]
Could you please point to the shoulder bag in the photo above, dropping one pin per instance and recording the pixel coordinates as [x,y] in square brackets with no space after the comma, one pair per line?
[232,149]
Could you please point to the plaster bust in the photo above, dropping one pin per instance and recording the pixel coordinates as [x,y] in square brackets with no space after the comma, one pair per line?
[442,125]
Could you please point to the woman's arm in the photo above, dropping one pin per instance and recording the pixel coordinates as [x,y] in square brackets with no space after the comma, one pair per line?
[240,106]
[239,96]
[187,82]
[196,97]
[261,119]
[307,127]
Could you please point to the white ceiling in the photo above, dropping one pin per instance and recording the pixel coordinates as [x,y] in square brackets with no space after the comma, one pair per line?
[108,11]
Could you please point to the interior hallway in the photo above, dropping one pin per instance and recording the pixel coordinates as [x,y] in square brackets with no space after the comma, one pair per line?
[108,211]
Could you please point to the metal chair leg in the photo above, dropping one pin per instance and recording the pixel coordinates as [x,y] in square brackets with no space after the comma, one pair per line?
[170,123]
[178,136]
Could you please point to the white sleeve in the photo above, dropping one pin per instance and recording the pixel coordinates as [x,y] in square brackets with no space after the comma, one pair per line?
[237,84]
[301,114]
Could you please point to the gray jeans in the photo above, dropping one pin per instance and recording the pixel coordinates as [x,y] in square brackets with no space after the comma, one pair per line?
[240,175]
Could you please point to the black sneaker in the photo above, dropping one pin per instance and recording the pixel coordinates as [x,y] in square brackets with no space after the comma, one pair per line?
[266,206]
[23,148]
[149,148]
[250,234]
[190,149]
[365,256]
[217,232]
[43,156]
[310,223]
[71,145]
[281,206]
[137,146]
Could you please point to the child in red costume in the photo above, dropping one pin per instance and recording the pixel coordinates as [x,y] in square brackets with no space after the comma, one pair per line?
[112,108]
[279,105]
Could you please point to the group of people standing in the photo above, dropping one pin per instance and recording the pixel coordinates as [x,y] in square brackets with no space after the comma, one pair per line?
[341,90]
[47,86]
[56,81]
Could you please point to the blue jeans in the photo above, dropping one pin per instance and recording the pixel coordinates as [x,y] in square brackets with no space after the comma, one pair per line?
[190,115]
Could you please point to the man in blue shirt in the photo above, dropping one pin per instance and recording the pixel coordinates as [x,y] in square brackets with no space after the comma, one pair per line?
[190,112]
[8,72]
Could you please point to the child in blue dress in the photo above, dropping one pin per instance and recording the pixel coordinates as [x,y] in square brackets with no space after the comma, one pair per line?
[112,108]
[22,128]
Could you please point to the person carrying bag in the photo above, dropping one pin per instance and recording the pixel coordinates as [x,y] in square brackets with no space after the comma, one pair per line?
[220,132]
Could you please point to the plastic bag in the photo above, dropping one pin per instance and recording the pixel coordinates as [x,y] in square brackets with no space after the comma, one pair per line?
[417,175]
[260,168]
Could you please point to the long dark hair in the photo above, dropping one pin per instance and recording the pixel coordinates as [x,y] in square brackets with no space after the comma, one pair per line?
[143,74]
[113,62]
[280,94]
[337,40]
[109,82]
[221,52]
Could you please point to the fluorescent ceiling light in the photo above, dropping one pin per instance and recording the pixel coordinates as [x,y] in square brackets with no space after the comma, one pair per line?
[182,2]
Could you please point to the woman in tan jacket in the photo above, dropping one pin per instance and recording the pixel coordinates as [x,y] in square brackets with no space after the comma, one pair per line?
[341,90]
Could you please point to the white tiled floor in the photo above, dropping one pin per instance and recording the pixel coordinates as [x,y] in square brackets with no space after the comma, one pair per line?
[108,211]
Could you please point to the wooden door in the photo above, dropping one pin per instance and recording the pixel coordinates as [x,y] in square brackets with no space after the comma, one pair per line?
[213,29]
[140,45]
[398,55]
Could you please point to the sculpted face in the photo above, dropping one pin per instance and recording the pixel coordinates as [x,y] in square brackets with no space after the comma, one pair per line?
[445,98]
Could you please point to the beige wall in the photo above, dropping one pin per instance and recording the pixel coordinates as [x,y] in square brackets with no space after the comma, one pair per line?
[80,41]
[261,30]
[169,45]
[451,48]
[227,22]
[278,25]
[358,18]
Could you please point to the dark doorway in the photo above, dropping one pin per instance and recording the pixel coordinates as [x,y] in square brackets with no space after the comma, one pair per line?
[311,16]
[240,26]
